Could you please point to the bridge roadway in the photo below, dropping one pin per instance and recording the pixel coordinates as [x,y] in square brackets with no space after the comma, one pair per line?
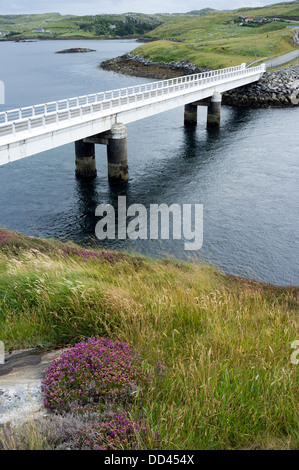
[101,117]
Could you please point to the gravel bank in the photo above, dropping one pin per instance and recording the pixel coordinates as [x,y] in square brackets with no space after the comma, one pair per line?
[274,90]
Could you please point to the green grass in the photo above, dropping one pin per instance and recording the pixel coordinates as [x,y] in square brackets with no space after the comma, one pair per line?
[225,342]
[219,54]
[211,40]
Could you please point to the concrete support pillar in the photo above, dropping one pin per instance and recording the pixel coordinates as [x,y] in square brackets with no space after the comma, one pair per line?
[214,111]
[85,160]
[117,154]
[190,115]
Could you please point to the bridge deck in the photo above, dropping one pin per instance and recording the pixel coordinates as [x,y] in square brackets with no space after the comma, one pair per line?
[30,130]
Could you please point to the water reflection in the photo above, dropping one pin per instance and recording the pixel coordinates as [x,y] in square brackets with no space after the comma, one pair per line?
[87,198]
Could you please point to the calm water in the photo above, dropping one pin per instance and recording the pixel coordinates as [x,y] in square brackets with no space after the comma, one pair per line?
[246,175]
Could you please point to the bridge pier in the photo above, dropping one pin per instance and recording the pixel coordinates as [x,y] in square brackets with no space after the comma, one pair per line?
[214,111]
[190,115]
[117,154]
[85,159]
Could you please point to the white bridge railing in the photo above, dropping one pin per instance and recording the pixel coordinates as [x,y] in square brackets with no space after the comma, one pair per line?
[14,121]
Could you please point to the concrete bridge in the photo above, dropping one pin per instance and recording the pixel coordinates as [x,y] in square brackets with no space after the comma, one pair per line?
[100,118]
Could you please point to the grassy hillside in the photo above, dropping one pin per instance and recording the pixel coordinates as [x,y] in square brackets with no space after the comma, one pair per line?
[221,52]
[134,24]
[217,39]
[196,25]
[223,343]
[285,10]
[70,26]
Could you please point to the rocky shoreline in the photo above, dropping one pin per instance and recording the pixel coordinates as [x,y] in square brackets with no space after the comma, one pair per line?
[276,89]
[129,64]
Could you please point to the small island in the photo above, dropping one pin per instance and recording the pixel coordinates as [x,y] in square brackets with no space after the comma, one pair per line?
[74,50]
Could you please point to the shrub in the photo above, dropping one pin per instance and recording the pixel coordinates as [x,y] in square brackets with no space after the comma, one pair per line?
[117,433]
[6,236]
[87,255]
[93,373]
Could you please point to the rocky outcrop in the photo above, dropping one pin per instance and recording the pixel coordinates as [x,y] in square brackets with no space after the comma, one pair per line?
[74,50]
[138,66]
[21,398]
[296,37]
[274,90]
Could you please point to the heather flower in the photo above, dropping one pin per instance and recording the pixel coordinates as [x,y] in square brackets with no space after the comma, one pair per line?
[93,373]
[117,433]
[6,236]
[87,255]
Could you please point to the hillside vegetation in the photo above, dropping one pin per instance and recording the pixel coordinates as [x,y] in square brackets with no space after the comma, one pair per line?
[91,26]
[69,26]
[223,343]
[218,39]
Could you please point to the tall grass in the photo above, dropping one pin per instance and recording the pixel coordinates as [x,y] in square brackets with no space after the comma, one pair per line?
[226,379]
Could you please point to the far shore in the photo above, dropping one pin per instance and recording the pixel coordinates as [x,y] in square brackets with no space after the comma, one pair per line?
[48,38]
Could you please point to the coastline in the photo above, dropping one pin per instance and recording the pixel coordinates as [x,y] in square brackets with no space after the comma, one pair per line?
[78,38]
[129,64]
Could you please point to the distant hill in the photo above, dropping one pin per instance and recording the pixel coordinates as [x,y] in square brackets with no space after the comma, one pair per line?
[54,25]
[203,11]
[198,25]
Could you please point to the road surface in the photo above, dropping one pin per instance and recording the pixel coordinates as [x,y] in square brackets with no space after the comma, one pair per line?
[283,59]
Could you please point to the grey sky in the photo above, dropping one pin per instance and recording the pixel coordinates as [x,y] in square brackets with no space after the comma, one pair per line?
[79,7]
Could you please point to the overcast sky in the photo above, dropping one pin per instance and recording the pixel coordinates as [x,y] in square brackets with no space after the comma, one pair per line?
[79,7]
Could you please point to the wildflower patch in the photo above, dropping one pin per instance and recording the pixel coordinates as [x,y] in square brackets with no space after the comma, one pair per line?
[94,373]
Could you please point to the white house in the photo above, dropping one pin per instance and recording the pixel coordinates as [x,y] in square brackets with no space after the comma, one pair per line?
[41,30]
